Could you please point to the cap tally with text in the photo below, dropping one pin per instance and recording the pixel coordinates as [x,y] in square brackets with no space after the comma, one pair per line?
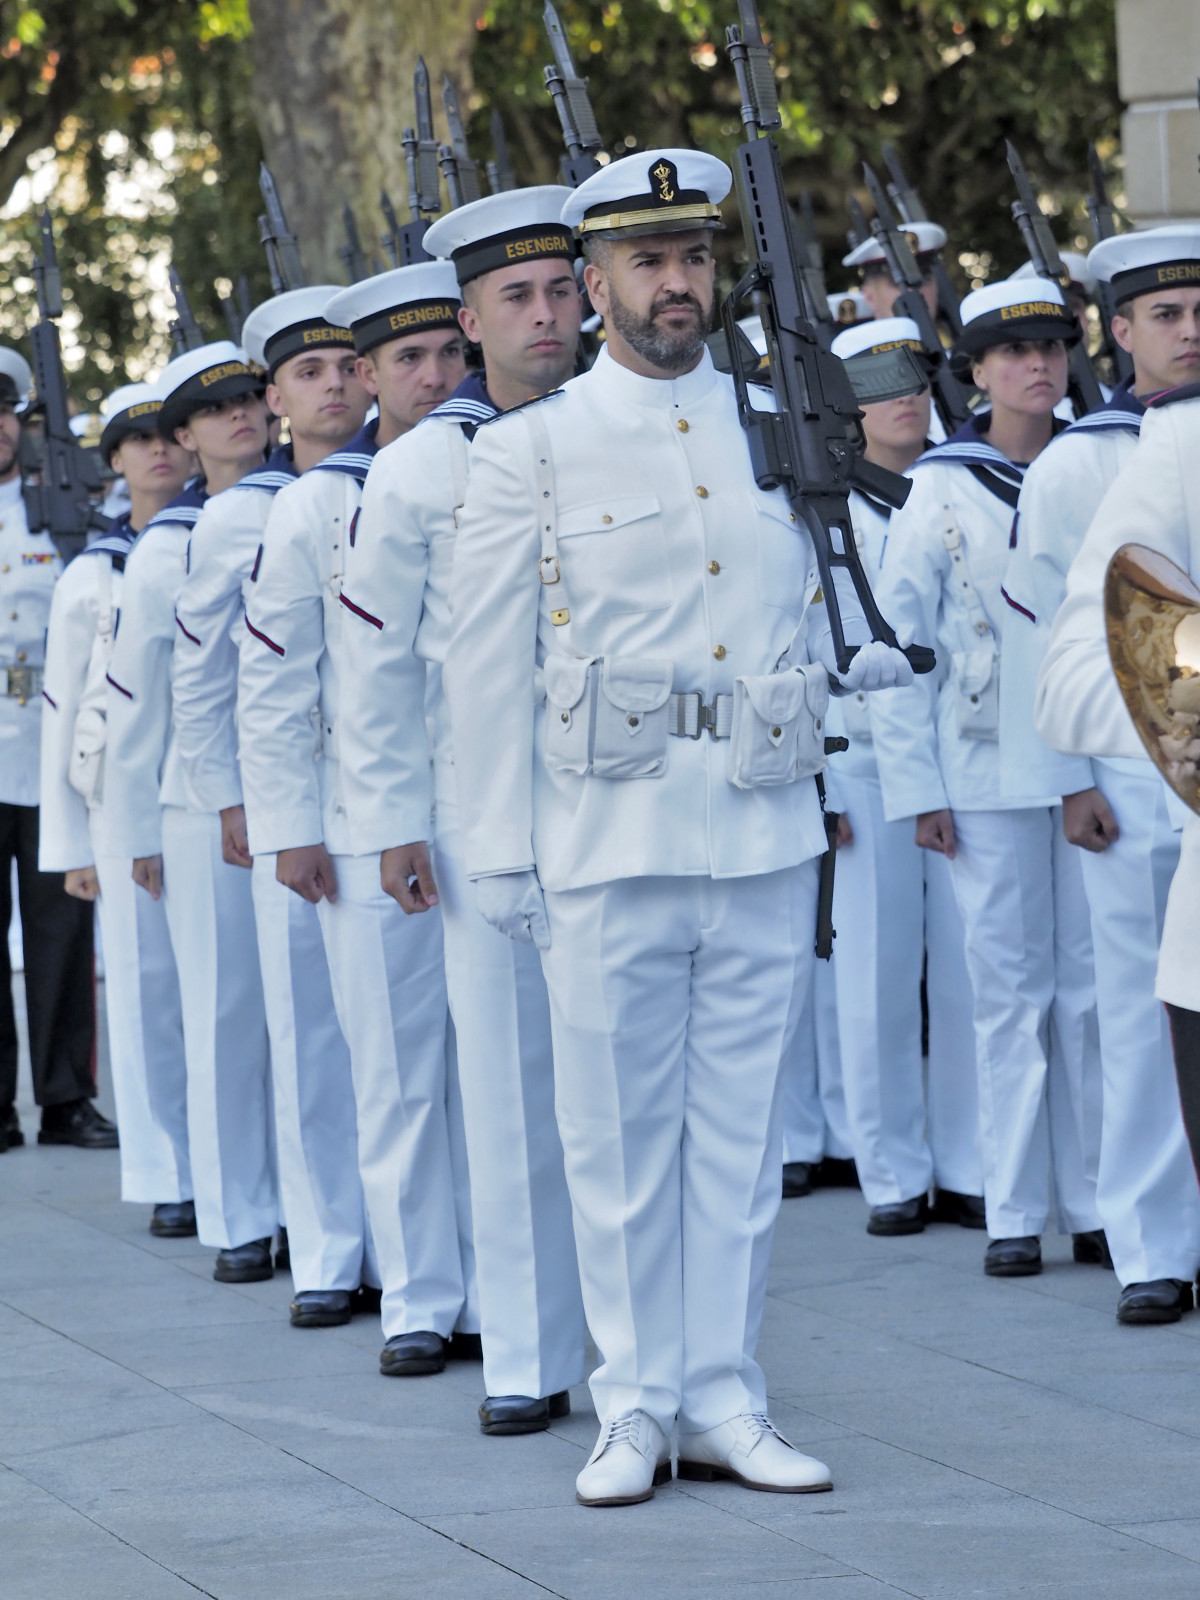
[202,377]
[924,239]
[1080,274]
[503,230]
[415,299]
[657,191]
[1140,263]
[133,408]
[1014,308]
[290,324]
[876,338]
[16,380]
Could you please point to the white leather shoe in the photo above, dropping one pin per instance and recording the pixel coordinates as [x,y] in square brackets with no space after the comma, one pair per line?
[752,1451]
[632,1457]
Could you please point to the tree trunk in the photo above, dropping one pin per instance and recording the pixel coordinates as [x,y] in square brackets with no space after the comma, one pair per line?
[333,84]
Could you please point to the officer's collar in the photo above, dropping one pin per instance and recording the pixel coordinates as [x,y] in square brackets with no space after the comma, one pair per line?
[660,393]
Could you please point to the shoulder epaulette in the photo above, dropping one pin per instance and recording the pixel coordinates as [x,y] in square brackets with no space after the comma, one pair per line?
[1186,391]
[534,400]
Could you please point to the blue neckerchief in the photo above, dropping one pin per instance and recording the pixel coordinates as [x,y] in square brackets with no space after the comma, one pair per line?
[1122,414]
[116,539]
[183,510]
[469,405]
[275,473]
[354,459]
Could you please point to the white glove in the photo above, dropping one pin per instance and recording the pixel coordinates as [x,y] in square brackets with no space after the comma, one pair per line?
[875,666]
[514,904]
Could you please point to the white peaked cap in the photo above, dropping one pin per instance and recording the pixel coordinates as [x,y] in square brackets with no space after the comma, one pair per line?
[849,298]
[885,333]
[14,366]
[654,191]
[923,237]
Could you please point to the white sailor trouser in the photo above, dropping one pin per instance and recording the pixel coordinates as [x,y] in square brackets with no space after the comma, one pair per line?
[390,990]
[672,1001]
[812,1097]
[210,912]
[1146,1193]
[316,1126]
[145,1038]
[1028,946]
[889,917]
[530,1307]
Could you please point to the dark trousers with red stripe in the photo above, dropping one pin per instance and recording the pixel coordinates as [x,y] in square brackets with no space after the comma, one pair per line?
[1185,1041]
[60,989]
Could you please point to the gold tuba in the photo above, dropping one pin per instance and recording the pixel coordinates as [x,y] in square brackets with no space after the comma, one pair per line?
[1152,617]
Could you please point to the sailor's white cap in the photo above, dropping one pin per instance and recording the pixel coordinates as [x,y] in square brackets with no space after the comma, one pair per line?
[1157,258]
[405,300]
[923,239]
[503,230]
[202,377]
[291,323]
[16,380]
[872,338]
[1014,308]
[848,307]
[133,408]
[1078,270]
[655,191]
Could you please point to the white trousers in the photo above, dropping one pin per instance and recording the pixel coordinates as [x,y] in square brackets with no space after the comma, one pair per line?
[210,912]
[530,1306]
[316,1124]
[812,1097]
[145,1038]
[1028,944]
[1146,1192]
[672,1001]
[895,914]
[390,990]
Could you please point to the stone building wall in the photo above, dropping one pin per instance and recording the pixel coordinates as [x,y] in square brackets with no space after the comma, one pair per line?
[1158,53]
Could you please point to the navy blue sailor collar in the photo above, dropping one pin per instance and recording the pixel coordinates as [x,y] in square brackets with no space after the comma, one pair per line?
[354,458]
[116,540]
[1121,413]
[183,510]
[470,404]
[276,472]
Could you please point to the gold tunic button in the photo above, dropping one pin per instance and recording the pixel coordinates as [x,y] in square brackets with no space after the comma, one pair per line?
[20,655]
[682,425]
[702,491]
[13,615]
[606,517]
[714,567]
[4,568]
[719,652]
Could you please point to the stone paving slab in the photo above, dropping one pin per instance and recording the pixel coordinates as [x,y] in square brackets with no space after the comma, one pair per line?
[162,1435]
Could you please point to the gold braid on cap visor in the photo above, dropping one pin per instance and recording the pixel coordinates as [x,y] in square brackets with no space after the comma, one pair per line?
[638,219]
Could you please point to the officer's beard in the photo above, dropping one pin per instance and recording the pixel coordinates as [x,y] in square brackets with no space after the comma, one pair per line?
[8,460]
[669,349]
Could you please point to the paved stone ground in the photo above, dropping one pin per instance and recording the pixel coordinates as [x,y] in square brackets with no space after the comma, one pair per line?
[162,1435]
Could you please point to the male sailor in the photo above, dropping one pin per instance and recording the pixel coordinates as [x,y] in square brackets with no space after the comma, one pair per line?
[309,366]
[637,680]
[510,258]
[145,1024]
[878,288]
[212,405]
[386,968]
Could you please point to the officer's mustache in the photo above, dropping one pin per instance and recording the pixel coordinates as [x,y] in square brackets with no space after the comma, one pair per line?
[667,301]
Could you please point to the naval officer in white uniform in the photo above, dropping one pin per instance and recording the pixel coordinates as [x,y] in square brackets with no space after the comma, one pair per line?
[512,264]
[1118,810]
[386,968]
[620,585]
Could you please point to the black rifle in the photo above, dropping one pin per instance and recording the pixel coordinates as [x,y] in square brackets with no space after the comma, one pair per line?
[911,208]
[185,331]
[283,252]
[1082,387]
[810,445]
[60,501]
[859,230]
[500,175]
[1104,227]
[813,269]
[570,95]
[351,253]
[448,162]
[948,394]
[467,170]
[403,243]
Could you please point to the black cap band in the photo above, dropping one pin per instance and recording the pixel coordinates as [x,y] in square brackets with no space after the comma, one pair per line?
[226,381]
[1162,275]
[301,338]
[1030,319]
[8,390]
[417,316]
[142,418]
[513,248]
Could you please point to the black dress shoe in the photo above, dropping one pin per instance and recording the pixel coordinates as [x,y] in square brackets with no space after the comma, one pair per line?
[321,1308]
[905,1216]
[967,1210]
[1013,1258]
[366,1300]
[1091,1249]
[836,1172]
[11,1137]
[412,1355]
[283,1255]
[1162,1300]
[517,1413]
[245,1263]
[175,1219]
[78,1123]
[797,1179]
[464,1347]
